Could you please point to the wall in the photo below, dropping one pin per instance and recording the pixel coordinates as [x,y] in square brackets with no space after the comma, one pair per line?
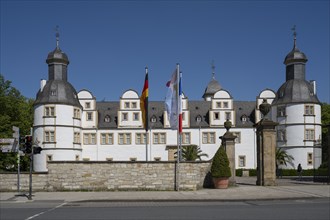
[100,176]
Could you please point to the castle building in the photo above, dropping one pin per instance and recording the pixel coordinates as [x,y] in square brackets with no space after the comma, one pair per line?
[71,126]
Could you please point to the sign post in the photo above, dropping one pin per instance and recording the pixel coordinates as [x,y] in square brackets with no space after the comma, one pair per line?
[16,149]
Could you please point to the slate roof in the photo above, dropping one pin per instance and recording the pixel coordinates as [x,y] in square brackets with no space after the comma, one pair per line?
[157,108]
[58,92]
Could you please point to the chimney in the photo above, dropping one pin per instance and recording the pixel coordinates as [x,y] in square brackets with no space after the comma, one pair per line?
[313,84]
[42,84]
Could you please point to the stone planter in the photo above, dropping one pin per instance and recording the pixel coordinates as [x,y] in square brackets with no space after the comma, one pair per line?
[221,183]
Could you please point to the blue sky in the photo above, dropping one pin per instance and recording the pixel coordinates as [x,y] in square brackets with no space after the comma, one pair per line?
[109,43]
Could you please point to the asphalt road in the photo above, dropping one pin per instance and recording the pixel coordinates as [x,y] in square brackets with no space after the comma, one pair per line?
[314,209]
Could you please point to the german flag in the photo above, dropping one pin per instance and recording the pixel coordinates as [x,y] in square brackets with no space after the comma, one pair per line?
[144,102]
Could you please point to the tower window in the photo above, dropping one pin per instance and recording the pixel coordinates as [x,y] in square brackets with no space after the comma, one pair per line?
[49,136]
[53,92]
[309,109]
[49,111]
[309,134]
[281,111]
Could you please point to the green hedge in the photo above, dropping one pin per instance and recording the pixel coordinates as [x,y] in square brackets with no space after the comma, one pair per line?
[290,172]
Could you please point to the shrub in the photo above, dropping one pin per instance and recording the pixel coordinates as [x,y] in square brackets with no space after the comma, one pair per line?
[220,164]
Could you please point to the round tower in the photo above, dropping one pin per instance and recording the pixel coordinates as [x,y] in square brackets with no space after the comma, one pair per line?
[57,114]
[298,111]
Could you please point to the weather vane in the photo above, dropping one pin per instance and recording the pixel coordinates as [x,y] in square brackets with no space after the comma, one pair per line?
[294,31]
[213,69]
[57,34]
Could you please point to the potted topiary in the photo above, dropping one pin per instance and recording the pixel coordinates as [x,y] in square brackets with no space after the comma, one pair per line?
[220,169]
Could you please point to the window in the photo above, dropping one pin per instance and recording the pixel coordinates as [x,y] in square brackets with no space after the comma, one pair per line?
[159,138]
[136,116]
[106,138]
[107,118]
[281,111]
[309,158]
[153,119]
[89,138]
[49,111]
[76,138]
[183,116]
[281,135]
[87,105]
[309,109]
[198,118]
[124,138]
[49,157]
[218,104]
[228,115]
[89,116]
[76,113]
[140,138]
[225,104]
[216,116]
[124,117]
[241,161]
[134,105]
[208,137]
[49,136]
[53,92]
[309,134]
[186,138]
[238,137]
[126,105]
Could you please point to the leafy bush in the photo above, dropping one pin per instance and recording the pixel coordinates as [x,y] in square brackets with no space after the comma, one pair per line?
[220,164]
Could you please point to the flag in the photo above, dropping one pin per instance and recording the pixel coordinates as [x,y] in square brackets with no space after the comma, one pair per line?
[180,104]
[144,102]
[172,103]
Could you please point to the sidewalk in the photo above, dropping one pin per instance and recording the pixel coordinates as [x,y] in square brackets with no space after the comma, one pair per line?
[245,190]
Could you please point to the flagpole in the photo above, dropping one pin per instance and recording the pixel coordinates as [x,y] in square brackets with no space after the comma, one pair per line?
[178,133]
[147,118]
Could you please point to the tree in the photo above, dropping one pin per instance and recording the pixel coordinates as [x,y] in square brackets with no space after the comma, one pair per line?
[192,153]
[325,118]
[15,110]
[282,157]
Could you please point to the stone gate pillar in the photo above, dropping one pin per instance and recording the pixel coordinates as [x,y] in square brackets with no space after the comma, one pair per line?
[228,141]
[266,148]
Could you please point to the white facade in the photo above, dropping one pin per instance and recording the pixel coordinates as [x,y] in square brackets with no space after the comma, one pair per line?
[74,126]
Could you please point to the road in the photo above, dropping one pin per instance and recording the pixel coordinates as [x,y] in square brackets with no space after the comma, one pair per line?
[315,209]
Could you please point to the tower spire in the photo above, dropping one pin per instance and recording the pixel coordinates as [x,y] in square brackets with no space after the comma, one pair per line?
[213,69]
[294,36]
[57,35]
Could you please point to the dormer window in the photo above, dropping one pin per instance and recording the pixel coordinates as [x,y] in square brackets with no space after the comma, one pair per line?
[198,119]
[53,92]
[153,119]
[107,118]
[126,104]
[244,119]
[134,105]
[225,104]
[87,105]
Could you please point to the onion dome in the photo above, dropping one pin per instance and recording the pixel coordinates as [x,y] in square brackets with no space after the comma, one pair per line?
[295,55]
[213,86]
[57,89]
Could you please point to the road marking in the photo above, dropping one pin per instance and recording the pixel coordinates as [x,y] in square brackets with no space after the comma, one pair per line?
[49,210]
